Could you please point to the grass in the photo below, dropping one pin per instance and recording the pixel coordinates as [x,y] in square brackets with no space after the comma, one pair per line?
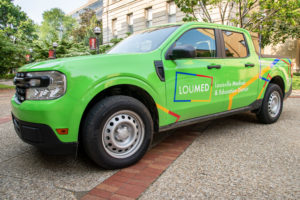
[7,76]
[296,82]
[2,87]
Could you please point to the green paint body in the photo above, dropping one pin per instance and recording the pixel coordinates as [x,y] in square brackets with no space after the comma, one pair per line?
[89,75]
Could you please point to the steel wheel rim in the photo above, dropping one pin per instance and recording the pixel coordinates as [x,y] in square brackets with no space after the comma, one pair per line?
[123,134]
[274,104]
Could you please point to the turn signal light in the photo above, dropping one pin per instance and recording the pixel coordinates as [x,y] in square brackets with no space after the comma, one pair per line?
[62,131]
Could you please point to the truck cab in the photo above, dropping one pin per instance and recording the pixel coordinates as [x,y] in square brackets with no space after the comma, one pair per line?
[155,80]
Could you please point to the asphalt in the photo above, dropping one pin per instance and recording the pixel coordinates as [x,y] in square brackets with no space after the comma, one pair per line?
[238,158]
[27,173]
[7,82]
[233,158]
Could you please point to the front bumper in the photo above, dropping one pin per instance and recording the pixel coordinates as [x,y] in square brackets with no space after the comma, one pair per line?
[64,112]
[42,136]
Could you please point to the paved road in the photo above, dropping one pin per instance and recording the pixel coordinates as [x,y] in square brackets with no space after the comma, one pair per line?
[6,82]
[233,158]
[237,158]
[26,173]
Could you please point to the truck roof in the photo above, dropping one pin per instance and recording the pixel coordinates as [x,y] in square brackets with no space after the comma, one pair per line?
[198,23]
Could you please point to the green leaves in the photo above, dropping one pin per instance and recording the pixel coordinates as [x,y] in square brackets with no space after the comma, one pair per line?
[12,55]
[85,30]
[16,31]
[280,19]
[14,23]
[56,25]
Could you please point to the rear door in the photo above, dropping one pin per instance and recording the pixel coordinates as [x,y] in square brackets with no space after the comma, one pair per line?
[241,67]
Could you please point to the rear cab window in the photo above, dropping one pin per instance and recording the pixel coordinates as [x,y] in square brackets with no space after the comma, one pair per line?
[235,44]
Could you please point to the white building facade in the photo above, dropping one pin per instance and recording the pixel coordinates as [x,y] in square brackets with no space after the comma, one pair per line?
[126,16]
[121,17]
[95,5]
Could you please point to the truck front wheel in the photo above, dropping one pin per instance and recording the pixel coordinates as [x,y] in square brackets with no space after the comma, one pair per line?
[117,132]
[272,105]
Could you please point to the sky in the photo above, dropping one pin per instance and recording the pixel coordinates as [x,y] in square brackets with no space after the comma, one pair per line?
[35,8]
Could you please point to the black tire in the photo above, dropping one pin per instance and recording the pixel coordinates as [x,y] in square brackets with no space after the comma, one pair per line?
[265,115]
[100,115]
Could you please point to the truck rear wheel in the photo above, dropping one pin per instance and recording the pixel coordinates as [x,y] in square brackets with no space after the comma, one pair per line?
[271,107]
[117,132]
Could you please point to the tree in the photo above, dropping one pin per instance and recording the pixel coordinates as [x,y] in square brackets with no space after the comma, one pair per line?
[14,55]
[279,19]
[16,31]
[66,48]
[15,24]
[56,25]
[85,30]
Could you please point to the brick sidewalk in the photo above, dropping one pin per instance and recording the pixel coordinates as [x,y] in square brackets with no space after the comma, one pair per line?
[5,119]
[131,182]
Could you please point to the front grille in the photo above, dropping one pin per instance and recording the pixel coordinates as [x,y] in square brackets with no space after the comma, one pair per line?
[20,94]
[20,90]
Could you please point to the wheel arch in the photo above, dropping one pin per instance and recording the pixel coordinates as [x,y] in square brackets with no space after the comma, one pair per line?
[127,90]
[280,82]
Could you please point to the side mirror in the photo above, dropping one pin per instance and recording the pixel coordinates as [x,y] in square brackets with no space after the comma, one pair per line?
[184,51]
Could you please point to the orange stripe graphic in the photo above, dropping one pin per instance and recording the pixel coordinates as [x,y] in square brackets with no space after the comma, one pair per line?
[168,112]
[246,85]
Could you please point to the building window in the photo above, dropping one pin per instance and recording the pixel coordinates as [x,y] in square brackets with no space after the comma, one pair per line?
[114,28]
[149,17]
[172,12]
[130,22]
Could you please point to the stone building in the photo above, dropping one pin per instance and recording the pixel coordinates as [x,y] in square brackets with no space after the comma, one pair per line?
[123,16]
[120,17]
[126,16]
[290,49]
[96,5]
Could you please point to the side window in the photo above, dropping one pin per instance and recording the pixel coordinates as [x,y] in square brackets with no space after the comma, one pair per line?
[203,40]
[235,44]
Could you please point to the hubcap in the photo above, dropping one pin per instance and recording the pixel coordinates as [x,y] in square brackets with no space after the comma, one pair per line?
[274,104]
[123,134]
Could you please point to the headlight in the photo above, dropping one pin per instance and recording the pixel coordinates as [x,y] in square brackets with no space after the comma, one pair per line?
[55,89]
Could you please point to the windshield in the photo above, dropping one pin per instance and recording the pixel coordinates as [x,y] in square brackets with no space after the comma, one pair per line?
[145,41]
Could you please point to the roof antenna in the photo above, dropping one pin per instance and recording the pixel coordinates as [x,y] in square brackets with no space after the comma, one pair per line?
[260,28]
[260,42]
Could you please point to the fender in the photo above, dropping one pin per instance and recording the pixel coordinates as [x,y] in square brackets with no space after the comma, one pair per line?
[282,73]
[115,80]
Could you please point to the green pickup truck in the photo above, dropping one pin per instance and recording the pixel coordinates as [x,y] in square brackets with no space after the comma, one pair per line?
[155,80]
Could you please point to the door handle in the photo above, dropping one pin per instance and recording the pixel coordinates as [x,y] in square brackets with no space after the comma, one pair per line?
[214,66]
[249,65]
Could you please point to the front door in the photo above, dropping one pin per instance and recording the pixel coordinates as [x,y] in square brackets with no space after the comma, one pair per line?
[190,82]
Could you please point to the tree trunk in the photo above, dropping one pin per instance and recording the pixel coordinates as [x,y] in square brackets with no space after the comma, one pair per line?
[240,13]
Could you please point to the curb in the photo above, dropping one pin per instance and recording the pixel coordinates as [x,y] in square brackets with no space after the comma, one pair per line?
[293,97]
[7,89]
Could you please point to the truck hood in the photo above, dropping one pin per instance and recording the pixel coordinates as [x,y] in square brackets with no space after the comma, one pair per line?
[74,62]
